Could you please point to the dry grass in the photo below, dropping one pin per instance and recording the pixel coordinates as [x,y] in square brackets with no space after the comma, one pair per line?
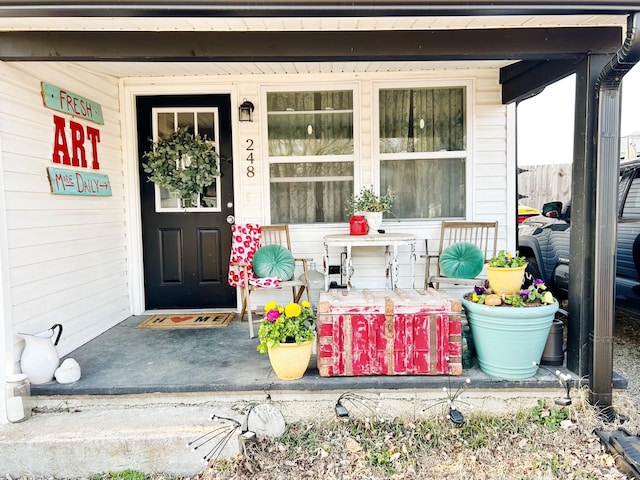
[545,442]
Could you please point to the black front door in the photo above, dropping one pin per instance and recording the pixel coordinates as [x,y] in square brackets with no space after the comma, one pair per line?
[186,248]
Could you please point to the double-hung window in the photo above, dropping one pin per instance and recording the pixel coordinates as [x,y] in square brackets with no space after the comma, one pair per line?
[311,152]
[423,150]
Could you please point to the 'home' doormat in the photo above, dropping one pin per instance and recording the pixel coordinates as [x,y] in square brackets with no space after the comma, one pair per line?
[188,320]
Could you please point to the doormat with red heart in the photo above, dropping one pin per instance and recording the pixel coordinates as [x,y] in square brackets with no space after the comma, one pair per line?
[188,320]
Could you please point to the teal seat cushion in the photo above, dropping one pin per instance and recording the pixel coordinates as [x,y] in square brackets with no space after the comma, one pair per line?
[273,261]
[461,260]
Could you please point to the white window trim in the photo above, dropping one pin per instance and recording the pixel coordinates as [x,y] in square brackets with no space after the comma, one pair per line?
[467,154]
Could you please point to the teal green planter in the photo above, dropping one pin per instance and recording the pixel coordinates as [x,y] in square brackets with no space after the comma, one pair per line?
[509,341]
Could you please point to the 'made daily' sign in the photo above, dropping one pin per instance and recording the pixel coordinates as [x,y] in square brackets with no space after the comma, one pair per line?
[70,182]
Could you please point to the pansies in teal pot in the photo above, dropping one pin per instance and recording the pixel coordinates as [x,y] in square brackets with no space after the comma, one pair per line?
[510,330]
[534,295]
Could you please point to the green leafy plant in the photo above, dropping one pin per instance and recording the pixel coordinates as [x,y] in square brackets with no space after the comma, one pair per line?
[127,475]
[291,324]
[368,201]
[505,259]
[551,418]
[183,163]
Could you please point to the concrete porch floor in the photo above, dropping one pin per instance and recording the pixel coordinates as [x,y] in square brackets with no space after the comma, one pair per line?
[125,360]
[144,394]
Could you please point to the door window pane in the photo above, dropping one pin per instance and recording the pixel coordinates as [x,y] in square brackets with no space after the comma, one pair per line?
[207,126]
[166,124]
[200,121]
[185,119]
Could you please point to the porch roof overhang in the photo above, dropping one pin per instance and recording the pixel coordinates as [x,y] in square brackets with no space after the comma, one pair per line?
[536,44]
[532,58]
[309,8]
[545,40]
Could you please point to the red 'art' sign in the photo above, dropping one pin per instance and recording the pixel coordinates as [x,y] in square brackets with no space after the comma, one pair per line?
[75,156]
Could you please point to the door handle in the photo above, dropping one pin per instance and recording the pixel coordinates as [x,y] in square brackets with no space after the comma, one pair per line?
[231,219]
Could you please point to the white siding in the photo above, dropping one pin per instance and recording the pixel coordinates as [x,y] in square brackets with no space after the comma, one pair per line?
[67,258]
[488,159]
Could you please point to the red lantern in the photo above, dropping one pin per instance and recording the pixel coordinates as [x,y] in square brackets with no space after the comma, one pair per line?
[358,225]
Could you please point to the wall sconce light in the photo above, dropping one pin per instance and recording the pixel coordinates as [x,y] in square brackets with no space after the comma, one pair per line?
[246,111]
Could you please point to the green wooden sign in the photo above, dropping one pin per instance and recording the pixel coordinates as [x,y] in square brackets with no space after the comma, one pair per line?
[72,182]
[62,100]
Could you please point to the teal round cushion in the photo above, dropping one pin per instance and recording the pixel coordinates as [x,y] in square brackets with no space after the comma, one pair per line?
[273,261]
[461,260]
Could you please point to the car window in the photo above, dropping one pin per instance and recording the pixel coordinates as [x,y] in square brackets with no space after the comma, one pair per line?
[631,209]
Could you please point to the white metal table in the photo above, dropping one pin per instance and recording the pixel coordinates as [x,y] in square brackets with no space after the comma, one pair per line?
[386,240]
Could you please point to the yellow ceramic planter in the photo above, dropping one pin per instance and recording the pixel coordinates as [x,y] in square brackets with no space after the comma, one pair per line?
[507,279]
[290,360]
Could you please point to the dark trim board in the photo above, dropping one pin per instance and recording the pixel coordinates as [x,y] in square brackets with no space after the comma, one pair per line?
[255,46]
[308,8]
[525,79]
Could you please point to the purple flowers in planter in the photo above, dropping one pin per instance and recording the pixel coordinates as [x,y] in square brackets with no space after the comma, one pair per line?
[535,294]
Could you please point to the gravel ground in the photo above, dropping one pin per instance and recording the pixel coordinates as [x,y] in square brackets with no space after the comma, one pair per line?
[626,351]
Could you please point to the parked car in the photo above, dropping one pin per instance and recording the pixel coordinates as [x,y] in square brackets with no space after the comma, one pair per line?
[544,240]
[525,212]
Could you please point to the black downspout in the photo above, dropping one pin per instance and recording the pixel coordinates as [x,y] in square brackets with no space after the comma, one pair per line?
[606,214]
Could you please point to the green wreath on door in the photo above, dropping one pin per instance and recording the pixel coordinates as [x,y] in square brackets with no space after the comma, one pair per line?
[183,163]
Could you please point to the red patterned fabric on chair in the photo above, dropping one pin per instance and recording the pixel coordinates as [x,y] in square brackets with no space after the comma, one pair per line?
[246,241]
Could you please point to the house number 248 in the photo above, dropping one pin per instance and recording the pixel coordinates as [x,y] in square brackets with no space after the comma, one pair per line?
[251,171]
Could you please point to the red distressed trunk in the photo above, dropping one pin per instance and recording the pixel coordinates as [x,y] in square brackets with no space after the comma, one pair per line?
[389,333]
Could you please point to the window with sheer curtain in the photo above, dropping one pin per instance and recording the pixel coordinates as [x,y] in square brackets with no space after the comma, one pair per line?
[311,155]
[423,151]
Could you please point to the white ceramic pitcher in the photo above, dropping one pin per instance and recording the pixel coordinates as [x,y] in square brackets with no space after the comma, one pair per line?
[40,358]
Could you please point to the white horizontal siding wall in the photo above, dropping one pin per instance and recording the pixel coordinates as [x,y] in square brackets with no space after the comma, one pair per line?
[489,159]
[66,255]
